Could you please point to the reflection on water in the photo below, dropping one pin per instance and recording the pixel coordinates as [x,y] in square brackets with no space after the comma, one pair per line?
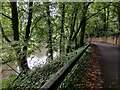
[38,60]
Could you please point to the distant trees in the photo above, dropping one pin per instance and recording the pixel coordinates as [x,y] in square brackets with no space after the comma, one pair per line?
[118,12]
[105,22]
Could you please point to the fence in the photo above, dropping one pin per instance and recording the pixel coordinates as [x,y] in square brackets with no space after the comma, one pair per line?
[106,39]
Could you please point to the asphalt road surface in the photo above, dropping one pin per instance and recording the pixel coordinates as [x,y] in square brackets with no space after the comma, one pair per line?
[110,64]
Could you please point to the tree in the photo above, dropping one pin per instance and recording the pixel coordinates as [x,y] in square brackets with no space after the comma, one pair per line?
[67,25]
[62,47]
[21,52]
[118,12]
[72,27]
[50,32]
[85,8]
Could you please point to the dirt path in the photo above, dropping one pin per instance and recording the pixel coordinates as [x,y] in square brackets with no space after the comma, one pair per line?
[109,56]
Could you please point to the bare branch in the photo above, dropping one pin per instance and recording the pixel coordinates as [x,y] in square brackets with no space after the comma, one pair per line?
[6,16]
[36,22]
[11,67]
[35,25]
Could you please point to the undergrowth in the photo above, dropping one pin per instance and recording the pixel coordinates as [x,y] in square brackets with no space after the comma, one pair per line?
[74,80]
[34,79]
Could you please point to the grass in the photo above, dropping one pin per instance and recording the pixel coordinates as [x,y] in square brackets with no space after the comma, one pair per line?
[6,82]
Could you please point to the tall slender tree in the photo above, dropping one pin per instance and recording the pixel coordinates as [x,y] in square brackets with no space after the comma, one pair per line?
[72,26]
[50,31]
[62,46]
[23,62]
[82,32]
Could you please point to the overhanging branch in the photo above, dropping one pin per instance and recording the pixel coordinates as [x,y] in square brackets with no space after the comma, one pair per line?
[81,23]
[98,11]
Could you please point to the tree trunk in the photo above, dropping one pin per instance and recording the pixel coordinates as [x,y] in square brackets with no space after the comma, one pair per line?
[21,55]
[15,20]
[24,64]
[50,32]
[62,47]
[74,17]
[85,8]
[104,20]
[82,33]
[76,39]
[16,30]
[107,22]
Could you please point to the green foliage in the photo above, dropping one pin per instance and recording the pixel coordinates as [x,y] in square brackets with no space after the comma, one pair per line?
[95,25]
[6,82]
[39,28]
[39,35]
[36,78]
[74,79]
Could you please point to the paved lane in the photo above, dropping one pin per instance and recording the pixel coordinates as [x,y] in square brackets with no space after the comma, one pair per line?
[110,64]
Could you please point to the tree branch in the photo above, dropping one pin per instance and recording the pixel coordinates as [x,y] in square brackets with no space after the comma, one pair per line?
[81,23]
[34,26]
[98,11]
[6,16]
[74,17]
[11,67]
[3,34]
[36,23]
